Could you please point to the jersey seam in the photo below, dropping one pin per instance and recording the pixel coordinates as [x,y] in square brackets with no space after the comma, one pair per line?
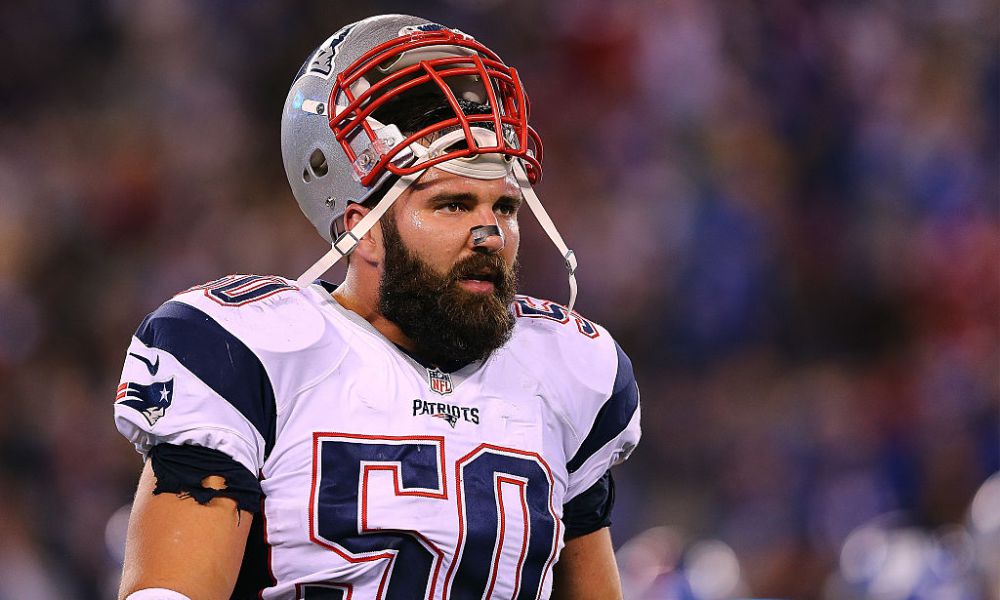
[316,380]
[340,359]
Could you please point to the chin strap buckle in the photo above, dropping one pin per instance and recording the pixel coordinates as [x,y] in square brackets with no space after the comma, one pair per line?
[570,258]
[350,238]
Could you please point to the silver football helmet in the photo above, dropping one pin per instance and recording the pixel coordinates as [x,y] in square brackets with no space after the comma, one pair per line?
[336,151]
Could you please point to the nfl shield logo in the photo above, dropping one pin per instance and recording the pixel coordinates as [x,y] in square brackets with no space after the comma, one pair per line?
[440,381]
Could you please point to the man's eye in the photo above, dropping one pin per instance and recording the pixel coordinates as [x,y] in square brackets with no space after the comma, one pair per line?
[506,209]
[453,207]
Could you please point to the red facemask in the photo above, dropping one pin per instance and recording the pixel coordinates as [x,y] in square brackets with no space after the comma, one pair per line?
[445,60]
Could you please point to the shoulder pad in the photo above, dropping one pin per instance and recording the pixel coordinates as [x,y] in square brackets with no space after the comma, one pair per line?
[266,312]
[568,347]
[590,382]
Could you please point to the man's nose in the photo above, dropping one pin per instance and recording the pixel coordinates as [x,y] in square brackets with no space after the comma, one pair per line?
[487,239]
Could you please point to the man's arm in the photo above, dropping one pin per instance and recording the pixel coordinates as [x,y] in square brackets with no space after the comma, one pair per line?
[176,543]
[587,569]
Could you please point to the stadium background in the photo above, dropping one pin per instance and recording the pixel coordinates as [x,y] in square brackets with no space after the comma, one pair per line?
[786,211]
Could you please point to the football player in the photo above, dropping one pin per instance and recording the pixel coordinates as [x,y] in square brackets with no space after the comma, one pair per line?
[418,431]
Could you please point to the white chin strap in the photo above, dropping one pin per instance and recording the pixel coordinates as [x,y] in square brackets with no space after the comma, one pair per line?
[482,166]
[550,228]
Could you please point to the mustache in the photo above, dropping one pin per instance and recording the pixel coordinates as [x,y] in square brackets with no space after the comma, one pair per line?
[491,266]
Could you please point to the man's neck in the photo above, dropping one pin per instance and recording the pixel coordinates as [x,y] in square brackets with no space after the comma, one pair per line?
[364,303]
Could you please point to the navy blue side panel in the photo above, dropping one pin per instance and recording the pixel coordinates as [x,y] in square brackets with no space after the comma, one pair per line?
[614,416]
[216,357]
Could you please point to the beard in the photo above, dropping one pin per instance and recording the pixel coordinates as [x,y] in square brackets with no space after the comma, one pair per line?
[449,326]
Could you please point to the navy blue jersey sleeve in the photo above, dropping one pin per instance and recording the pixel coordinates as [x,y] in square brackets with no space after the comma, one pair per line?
[590,510]
[183,469]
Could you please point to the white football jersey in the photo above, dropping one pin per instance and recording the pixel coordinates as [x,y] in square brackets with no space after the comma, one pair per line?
[383,478]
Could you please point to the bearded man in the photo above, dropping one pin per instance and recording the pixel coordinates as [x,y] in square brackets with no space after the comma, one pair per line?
[417,431]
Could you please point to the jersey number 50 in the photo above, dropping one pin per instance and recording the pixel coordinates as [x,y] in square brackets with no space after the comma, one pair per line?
[339,519]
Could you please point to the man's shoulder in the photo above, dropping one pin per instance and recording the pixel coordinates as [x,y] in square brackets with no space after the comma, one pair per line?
[553,339]
[585,376]
[554,323]
[265,312]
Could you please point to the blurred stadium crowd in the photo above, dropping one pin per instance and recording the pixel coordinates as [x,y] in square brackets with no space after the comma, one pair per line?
[786,211]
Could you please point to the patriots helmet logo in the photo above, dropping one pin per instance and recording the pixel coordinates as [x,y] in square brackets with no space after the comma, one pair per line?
[152,400]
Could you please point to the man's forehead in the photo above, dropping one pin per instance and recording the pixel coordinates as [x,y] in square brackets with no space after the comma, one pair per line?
[435,180]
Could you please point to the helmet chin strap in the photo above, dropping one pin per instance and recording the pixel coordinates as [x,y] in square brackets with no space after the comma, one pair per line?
[484,166]
[550,228]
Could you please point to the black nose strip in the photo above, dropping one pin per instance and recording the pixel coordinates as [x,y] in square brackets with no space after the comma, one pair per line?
[482,233]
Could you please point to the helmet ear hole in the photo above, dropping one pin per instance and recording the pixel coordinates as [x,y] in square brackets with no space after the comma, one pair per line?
[317,162]
[306,175]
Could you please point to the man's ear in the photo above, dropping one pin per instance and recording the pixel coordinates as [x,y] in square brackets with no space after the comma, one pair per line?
[369,247]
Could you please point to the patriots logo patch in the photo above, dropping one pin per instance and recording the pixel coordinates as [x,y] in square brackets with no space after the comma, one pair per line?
[152,401]
[450,419]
